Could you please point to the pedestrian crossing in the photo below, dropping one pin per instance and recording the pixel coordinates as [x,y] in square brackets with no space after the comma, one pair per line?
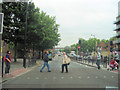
[70,77]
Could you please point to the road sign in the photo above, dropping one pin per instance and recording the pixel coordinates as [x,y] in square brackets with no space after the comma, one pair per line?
[1,23]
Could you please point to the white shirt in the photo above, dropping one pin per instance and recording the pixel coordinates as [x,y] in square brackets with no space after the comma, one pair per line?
[98,56]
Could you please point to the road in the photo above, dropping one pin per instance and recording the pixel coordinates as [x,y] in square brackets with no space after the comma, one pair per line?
[79,76]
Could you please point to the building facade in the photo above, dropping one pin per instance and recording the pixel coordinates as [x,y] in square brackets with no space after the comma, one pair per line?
[117,23]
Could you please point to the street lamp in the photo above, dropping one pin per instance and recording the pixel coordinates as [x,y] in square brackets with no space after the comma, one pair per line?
[25,35]
[94,43]
[24,61]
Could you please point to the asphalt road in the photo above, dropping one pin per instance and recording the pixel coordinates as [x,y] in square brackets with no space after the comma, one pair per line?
[79,76]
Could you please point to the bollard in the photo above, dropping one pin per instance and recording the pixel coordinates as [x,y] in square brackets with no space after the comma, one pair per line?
[108,61]
[2,66]
[92,61]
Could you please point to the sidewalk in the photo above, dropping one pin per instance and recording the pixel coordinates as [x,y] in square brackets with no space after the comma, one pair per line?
[17,69]
[94,65]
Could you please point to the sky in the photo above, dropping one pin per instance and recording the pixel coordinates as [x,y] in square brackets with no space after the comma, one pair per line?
[81,18]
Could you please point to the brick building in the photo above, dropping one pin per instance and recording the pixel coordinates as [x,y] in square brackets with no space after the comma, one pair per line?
[102,46]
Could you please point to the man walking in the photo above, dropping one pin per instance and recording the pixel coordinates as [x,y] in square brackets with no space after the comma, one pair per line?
[98,59]
[7,62]
[117,58]
[46,59]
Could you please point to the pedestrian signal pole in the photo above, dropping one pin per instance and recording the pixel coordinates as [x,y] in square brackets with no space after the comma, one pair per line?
[79,45]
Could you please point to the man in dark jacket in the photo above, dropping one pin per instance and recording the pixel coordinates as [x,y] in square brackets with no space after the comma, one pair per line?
[46,59]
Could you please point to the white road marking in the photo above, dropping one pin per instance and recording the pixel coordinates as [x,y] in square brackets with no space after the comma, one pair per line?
[54,77]
[71,77]
[45,78]
[111,87]
[62,77]
[28,77]
[96,77]
[13,77]
[37,77]
[104,76]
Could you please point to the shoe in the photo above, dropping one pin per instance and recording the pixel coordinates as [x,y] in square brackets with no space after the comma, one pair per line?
[49,71]
[40,71]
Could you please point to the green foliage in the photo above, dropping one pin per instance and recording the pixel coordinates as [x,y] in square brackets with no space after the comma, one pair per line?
[67,49]
[11,45]
[42,30]
[89,45]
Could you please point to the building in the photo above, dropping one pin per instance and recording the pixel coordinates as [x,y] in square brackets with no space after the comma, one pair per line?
[101,46]
[117,23]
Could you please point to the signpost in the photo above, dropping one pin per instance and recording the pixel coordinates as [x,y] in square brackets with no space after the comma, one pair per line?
[1,22]
[79,44]
[1,31]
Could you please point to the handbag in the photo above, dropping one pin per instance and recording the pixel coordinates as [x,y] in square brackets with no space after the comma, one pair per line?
[68,61]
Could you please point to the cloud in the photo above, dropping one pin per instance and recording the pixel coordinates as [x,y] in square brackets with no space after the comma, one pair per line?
[80,18]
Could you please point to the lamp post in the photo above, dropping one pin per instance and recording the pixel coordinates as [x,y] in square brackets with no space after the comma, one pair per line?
[94,43]
[24,61]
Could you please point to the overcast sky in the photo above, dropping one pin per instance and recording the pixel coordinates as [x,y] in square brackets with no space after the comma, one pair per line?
[81,18]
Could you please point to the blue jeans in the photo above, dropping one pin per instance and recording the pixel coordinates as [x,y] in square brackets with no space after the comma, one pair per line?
[45,63]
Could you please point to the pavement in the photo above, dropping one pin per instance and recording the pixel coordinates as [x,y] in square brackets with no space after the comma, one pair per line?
[17,69]
[79,76]
[94,65]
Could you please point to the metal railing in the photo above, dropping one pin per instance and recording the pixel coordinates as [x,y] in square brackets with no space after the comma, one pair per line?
[105,61]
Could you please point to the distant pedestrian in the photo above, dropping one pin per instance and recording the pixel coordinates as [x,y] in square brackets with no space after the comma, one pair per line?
[64,62]
[117,57]
[46,59]
[98,59]
[7,59]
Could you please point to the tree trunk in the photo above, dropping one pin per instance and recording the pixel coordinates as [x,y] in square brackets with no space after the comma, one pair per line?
[15,52]
[33,51]
[42,54]
[39,54]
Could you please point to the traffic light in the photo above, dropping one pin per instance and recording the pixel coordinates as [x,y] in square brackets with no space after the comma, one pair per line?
[111,43]
[79,42]
[111,49]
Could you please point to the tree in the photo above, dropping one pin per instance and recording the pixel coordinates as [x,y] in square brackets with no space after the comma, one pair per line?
[13,22]
[42,30]
[67,49]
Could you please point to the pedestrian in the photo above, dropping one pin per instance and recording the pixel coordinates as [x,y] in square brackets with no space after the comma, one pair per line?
[117,57]
[64,62]
[98,59]
[46,59]
[7,59]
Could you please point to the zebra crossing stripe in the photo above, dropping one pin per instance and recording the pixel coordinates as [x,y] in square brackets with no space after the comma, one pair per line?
[111,87]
